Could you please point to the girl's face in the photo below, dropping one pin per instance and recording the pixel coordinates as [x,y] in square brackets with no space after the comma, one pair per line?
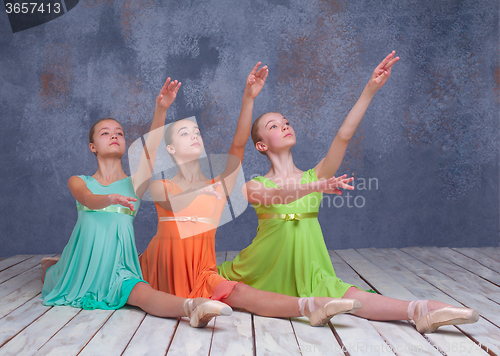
[109,139]
[186,140]
[276,133]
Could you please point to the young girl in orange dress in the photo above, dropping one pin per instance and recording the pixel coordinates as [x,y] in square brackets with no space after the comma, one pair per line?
[289,255]
[180,259]
[99,267]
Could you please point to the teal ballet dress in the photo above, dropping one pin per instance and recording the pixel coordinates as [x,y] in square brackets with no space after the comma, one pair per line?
[99,266]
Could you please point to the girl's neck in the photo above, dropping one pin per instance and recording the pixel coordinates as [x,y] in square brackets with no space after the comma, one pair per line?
[282,164]
[109,171]
[189,172]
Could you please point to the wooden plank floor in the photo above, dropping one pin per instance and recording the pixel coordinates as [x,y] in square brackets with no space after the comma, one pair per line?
[460,276]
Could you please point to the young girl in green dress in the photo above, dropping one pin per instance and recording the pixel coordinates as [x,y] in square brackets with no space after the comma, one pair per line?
[289,255]
[99,267]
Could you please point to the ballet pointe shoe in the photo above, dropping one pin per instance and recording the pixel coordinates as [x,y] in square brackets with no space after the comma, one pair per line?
[323,314]
[429,322]
[199,315]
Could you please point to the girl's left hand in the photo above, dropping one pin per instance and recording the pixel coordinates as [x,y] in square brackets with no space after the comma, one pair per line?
[115,199]
[382,72]
[256,80]
[168,93]
[211,190]
[333,184]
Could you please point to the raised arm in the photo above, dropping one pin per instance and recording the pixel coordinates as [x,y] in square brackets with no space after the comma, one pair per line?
[255,81]
[94,201]
[328,166]
[141,178]
[254,84]
[257,193]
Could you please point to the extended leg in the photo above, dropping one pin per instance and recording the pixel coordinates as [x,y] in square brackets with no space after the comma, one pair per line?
[155,302]
[378,307]
[262,302]
[199,310]
[278,305]
[428,315]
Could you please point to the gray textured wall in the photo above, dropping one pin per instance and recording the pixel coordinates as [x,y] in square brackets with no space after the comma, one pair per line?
[430,136]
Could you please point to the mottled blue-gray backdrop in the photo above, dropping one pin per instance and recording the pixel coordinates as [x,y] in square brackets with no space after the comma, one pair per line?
[430,136]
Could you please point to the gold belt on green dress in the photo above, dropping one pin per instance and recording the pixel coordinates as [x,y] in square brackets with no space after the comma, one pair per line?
[288,217]
[109,209]
[194,218]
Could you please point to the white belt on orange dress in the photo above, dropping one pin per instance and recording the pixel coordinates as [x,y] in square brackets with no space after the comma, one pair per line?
[194,218]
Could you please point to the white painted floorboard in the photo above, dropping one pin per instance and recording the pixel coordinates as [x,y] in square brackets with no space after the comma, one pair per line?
[459,276]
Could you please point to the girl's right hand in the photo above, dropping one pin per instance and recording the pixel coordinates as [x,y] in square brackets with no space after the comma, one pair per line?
[121,200]
[210,190]
[382,72]
[168,93]
[256,80]
[332,185]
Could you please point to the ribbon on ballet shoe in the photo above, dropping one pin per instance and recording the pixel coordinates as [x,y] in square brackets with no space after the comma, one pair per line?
[188,307]
[412,308]
[310,305]
[302,306]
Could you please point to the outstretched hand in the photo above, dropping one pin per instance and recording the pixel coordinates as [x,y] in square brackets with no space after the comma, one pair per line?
[211,190]
[382,72]
[256,80]
[168,93]
[332,185]
[120,199]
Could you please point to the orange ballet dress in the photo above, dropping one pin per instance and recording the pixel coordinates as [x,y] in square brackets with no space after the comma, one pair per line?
[180,259]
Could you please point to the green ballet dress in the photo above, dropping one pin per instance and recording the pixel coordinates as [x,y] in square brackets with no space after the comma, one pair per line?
[99,266]
[288,255]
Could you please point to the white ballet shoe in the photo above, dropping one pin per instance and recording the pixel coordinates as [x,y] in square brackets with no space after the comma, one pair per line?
[200,315]
[323,314]
[428,322]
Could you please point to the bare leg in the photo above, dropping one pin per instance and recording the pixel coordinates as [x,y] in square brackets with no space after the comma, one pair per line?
[262,302]
[200,310]
[378,307]
[155,302]
[268,303]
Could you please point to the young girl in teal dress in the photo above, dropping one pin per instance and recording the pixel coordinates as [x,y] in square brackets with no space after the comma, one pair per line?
[289,255]
[99,267]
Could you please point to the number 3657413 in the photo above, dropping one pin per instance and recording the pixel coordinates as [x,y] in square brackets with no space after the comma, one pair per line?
[32,7]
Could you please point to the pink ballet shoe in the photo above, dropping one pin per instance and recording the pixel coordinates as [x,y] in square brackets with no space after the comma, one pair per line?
[322,315]
[429,322]
[200,315]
